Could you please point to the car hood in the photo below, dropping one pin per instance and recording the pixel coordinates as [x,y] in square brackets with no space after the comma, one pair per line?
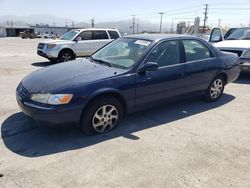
[56,41]
[61,77]
[239,44]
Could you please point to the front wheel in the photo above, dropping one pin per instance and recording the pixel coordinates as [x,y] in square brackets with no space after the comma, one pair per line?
[101,116]
[215,89]
[66,55]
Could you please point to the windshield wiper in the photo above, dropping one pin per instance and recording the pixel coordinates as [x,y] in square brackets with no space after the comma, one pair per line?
[101,61]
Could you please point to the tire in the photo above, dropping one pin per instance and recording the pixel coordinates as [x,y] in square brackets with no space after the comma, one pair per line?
[66,55]
[215,89]
[95,121]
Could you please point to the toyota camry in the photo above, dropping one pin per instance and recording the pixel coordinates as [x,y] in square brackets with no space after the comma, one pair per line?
[129,74]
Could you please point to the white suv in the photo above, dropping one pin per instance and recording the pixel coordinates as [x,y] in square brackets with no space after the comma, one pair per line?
[76,43]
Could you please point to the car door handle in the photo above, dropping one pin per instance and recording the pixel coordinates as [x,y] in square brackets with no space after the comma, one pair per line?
[180,74]
[146,79]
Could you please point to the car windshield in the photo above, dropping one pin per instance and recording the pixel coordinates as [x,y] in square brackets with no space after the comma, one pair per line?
[122,53]
[70,35]
[240,34]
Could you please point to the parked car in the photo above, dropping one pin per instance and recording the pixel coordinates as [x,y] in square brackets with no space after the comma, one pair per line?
[48,36]
[236,40]
[76,43]
[130,74]
[27,34]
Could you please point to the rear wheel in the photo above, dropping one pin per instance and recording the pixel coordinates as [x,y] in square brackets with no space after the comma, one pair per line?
[215,89]
[101,116]
[66,55]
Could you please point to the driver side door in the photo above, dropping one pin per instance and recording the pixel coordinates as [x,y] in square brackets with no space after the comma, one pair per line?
[166,82]
[84,46]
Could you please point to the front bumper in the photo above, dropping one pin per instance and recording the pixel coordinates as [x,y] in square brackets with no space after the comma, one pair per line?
[48,53]
[53,115]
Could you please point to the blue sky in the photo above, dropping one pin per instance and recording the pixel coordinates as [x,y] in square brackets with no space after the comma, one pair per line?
[234,12]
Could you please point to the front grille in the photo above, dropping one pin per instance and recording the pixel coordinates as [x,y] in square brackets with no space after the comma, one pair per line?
[22,92]
[238,52]
[40,46]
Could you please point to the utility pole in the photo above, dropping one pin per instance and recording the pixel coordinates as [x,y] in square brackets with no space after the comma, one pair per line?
[205,18]
[137,26]
[133,24]
[161,13]
[172,26]
[93,22]
[219,22]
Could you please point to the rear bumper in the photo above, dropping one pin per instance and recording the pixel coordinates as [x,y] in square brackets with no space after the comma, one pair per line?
[245,64]
[233,73]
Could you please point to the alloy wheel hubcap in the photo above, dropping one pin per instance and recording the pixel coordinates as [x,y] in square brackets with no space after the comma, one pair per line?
[216,88]
[66,57]
[105,118]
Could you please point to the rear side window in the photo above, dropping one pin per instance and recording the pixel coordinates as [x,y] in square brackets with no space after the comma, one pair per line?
[86,35]
[98,35]
[113,34]
[195,50]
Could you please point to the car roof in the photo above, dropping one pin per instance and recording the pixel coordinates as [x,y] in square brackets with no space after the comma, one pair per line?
[97,29]
[157,37]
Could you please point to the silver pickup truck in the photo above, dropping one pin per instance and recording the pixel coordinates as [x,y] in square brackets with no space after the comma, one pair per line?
[236,40]
[76,43]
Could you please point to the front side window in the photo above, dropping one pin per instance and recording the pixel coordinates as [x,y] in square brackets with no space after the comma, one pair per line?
[99,35]
[113,34]
[165,54]
[86,35]
[195,50]
[122,53]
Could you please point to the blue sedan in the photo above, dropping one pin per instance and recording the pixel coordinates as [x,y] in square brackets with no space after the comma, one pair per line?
[130,74]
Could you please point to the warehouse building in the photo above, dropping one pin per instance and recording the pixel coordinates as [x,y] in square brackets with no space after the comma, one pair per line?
[14,31]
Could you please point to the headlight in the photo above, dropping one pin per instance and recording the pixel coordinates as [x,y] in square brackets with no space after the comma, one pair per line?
[51,45]
[247,54]
[56,99]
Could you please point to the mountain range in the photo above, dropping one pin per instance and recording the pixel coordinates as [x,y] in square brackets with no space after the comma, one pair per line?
[122,25]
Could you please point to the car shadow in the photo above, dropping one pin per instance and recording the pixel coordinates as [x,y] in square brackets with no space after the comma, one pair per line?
[42,64]
[22,136]
[244,78]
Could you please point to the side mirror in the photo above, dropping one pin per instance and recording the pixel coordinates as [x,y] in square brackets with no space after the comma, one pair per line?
[149,66]
[216,35]
[78,39]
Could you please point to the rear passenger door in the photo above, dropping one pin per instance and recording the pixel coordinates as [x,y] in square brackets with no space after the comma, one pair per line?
[200,65]
[100,38]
